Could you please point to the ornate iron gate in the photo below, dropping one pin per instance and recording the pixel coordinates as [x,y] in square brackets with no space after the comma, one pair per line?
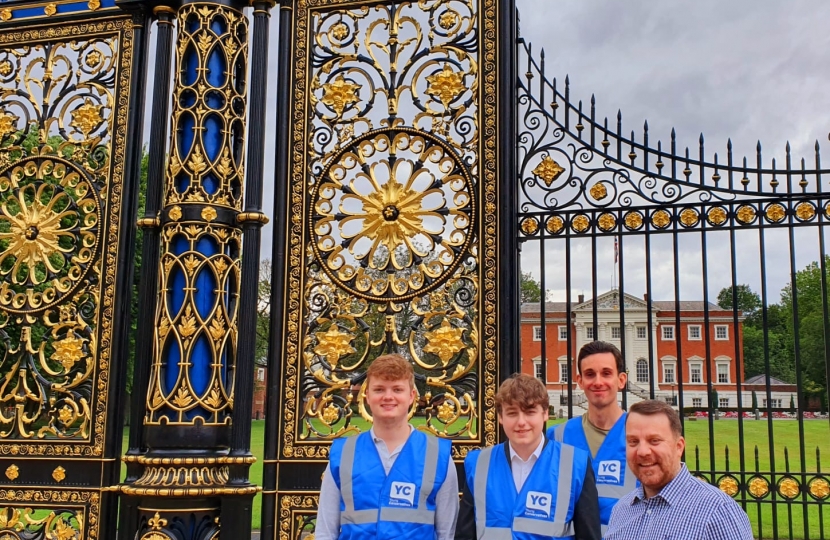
[390,160]
[69,107]
[595,197]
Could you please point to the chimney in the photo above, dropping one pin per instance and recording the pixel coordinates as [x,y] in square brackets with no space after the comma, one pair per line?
[581,298]
[645,297]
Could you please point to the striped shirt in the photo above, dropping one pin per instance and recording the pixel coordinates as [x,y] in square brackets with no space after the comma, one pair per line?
[686,508]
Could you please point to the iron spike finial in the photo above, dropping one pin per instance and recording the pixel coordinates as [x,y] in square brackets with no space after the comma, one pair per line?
[593,100]
[729,144]
[673,134]
[619,115]
[817,146]
[645,126]
[788,147]
[758,146]
[701,138]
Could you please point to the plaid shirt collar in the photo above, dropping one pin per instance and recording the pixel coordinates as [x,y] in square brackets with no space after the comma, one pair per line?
[671,492]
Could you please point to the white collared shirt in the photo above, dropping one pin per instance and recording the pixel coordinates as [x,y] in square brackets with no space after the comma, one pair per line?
[521,468]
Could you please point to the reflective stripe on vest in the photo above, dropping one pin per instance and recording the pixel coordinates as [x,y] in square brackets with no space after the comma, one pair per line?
[559,433]
[557,528]
[420,515]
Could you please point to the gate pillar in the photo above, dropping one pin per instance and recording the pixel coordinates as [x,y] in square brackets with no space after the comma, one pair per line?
[188,466]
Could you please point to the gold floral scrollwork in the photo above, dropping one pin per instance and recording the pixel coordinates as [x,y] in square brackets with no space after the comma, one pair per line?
[580,223]
[775,212]
[746,214]
[8,122]
[555,225]
[689,217]
[789,488]
[446,85]
[12,472]
[340,93]
[530,226]
[548,170]
[175,213]
[59,474]
[607,222]
[446,411]
[157,522]
[6,14]
[50,9]
[445,341]
[758,487]
[819,488]
[340,31]
[448,20]
[805,211]
[661,219]
[634,220]
[87,117]
[68,351]
[5,70]
[728,485]
[334,344]
[209,214]
[598,191]
[94,5]
[716,216]
[330,414]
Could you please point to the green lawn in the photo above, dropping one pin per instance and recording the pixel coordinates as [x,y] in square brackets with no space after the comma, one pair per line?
[786,446]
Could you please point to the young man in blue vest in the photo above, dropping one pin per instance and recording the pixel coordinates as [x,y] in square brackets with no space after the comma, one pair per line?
[530,488]
[601,375]
[392,481]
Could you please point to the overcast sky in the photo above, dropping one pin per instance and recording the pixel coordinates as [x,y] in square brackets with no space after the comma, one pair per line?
[745,69]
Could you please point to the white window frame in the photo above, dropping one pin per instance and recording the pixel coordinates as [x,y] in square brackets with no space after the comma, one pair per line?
[260,374]
[718,368]
[589,332]
[637,364]
[776,403]
[692,366]
[563,372]
[725,328]
[673,365]
[643,330]
[699,332]
[697,402]
[723,402]
[670,328]
[618,332]
[537,333]
[563,332]
[537,370]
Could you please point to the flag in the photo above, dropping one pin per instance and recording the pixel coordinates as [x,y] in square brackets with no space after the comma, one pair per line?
[616,250]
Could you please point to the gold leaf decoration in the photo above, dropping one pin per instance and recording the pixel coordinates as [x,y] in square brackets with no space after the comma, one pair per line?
[8,122]
[661,219]
[445,341]
[689,217]
[530,226]
[634,220]
[716,216]
[340,94]
[94,4]
[63,531]
[789,488]
[599,191]
[209,213]
[333,344]
[548,170]
[745,214]
[581,223]
[775,212]
[340,31]
[86,117]
[225,166]
[175,213]
[188,325]
[330,414]
[197,163]
[819,488]
[448,20]
[446,411]
[6,14]
[555,225]
[183,398]
[5,67]
[214,399]
[607,222]
[217,328]
[12,472]
[65,415]
[191,263]
[729,486]
[50,9]
[446,85]
[59,474]
[805,211]
[758,487]
[68,351]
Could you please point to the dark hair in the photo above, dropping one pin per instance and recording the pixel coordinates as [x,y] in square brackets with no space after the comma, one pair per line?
[598,347]
[651,407]
[522,390]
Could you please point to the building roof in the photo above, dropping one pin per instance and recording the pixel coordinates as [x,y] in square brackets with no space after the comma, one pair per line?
[762,380]
[631,303]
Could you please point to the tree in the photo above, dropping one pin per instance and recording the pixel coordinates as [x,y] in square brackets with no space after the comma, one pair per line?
[748,302]
[530,289]
[263,312]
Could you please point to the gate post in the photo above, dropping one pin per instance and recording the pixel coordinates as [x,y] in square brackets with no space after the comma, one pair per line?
[188,467]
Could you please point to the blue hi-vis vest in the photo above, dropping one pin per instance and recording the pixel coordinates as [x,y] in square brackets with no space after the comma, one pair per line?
[400,505]
[613,476]
[542,509]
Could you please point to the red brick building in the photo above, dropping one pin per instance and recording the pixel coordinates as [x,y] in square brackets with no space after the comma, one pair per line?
[677,350]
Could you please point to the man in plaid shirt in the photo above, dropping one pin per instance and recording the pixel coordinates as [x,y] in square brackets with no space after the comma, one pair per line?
[670,503]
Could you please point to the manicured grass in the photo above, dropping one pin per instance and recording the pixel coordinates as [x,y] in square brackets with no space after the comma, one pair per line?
[756,434]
